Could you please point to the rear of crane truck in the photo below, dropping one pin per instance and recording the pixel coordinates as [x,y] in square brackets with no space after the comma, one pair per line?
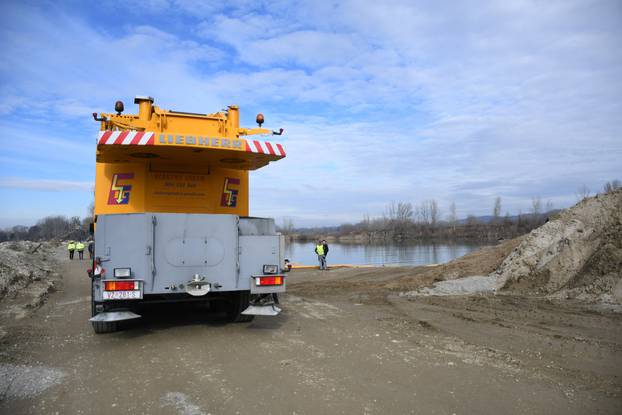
[171,215]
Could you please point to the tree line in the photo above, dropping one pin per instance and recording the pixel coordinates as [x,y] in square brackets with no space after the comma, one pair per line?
[403,221]
[400,221]
[49,228]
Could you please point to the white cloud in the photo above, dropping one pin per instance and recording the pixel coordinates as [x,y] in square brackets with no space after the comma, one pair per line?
[48,146]
[45,185]
[187,8]
[307,48]
[410,100]
[91,67]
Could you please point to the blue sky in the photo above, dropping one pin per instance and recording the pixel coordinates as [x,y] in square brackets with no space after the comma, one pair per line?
[381,101]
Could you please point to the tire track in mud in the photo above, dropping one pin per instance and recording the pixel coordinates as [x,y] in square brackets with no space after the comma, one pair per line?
[439,336]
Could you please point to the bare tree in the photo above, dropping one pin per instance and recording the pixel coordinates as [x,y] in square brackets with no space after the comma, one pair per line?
[536,206]
[496,211]
[421,213]
[507,221]
[434,212]
[398,216]
[428,212]
[404,212]
[366,223]
[549,206]
[366,227]
[400,212]
[453,217]
[53,226]
[612,185]
[288,226]
[582,193]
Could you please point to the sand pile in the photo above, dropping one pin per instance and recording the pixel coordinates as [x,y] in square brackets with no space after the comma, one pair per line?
[577,255]
[462,286]
[20,266]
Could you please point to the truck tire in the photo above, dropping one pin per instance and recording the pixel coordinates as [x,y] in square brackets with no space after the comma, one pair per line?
[243,318]
[101,327]
[239,303]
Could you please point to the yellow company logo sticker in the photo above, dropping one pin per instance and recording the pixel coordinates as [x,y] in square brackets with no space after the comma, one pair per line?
[120,189]
[229,196]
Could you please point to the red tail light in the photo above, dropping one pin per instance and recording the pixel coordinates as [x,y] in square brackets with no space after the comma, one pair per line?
[121,285]
[271,280]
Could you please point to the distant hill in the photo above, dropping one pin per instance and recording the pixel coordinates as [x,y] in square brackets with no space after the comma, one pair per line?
[513,218]
[480,219]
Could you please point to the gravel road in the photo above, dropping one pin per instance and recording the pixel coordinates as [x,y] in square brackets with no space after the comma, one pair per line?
[331,351]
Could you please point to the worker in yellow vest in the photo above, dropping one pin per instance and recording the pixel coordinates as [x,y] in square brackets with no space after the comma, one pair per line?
[80,249]
[71,246]
[321,255]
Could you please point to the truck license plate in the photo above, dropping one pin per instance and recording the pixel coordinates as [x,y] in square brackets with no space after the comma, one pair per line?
[122,295]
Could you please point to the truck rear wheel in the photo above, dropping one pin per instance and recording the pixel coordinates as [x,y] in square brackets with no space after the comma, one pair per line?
[239,303]
[244,318]
[101,327]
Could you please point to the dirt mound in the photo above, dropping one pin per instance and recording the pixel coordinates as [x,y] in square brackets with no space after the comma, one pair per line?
[577,255]
[24,263]
[480,262]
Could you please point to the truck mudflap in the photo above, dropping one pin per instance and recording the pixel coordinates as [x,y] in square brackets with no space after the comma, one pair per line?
[110,316]
[263,305]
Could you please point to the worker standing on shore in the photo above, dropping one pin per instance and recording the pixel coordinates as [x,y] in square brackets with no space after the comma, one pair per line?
[71,247]
[325,245]
[321,256]
[80,249]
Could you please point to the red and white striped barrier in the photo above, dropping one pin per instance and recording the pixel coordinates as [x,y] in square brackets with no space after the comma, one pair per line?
[145,138]
[265,147]
[127,137]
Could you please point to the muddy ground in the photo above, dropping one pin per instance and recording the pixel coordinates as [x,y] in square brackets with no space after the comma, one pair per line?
[345,343]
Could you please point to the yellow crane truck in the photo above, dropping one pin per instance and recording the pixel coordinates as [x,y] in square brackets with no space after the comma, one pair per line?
[172,217]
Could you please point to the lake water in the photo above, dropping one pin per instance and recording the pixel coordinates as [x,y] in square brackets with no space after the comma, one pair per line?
[395,255]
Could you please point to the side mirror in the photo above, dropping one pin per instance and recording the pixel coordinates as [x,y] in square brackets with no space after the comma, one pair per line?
[91,228]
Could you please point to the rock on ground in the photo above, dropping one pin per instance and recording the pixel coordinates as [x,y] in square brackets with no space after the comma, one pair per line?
[24,263]
[577,255]
[23,381]
[462,286]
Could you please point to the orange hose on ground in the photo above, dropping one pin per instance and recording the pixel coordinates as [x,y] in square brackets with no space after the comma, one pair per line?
[299,266]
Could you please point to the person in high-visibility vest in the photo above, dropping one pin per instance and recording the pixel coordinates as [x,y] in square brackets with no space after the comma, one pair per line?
[321,255]
[71,246]
[80,249]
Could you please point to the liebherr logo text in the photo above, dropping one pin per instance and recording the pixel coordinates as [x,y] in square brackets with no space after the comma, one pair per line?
[199,140]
